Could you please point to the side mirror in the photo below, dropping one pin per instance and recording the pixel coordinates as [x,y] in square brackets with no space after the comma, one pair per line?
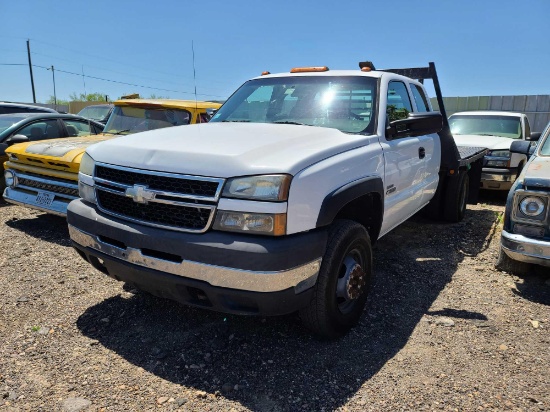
[211,112]
[521,147]
[533,137]
[18,138]
[415,124]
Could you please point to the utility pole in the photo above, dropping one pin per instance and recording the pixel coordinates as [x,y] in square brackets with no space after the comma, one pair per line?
[30,69]
[54,96]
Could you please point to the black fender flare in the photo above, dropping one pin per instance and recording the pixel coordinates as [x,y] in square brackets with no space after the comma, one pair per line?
[336,200]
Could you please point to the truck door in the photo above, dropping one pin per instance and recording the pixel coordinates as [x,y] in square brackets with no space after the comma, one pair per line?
[432,148]
[404,162]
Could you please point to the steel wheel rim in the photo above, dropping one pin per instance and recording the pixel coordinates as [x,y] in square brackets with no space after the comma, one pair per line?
[351,282]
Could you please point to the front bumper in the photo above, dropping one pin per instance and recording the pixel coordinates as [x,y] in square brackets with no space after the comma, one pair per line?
[525,249]
[41,193]
[497,179]
[222,271]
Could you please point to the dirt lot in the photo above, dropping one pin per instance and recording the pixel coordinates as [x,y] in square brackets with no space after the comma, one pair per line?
[443,330]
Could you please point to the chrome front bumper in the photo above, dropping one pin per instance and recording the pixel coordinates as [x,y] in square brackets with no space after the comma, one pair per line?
[497,181]
[300,278]
[525,249]
[28,195]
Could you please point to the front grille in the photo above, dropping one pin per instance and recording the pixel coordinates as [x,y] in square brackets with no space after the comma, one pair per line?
[159,182]
[178,202]
[49,187]
[177,216]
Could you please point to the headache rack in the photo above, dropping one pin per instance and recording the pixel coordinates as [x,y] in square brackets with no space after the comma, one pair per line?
[452,158]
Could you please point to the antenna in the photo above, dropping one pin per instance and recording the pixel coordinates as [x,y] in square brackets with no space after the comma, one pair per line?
[194,74]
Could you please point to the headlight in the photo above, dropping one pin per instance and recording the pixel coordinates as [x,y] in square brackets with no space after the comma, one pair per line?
[11,179]
[532,206]
[260,223]
[87,165]
[267,188]
[499,153]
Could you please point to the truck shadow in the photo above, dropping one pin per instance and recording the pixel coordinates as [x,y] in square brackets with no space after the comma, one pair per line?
[47,227]
[275,364]
[535,286]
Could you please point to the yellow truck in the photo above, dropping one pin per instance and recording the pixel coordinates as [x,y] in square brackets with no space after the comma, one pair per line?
[43,174]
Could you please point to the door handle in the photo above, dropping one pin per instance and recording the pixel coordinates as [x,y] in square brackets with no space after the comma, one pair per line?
[421,152]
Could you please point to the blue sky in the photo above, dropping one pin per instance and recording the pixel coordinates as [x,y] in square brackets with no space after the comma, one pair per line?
[482,47]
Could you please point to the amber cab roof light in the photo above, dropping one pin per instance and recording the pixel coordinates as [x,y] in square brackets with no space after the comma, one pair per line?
[309,69]
[265,73]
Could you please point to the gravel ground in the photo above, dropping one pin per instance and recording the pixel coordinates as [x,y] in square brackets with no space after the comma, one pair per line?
[443,330]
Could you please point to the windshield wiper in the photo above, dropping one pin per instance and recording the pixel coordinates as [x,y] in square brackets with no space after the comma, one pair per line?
[287,122]
[119,132]
[488,134]
[236,121]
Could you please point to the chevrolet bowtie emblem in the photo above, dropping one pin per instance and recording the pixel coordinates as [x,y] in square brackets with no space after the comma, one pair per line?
[139,193]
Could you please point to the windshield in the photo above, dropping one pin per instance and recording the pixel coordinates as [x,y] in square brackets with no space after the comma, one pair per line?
[544,142]
[95,112]
[346,103]
[486,125]
[127,119]
[8,120]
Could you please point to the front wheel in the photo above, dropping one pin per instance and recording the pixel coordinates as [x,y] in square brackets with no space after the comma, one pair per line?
[343,283]
[509,265]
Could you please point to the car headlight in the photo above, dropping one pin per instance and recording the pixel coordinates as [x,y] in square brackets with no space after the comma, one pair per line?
[86,192]
[272,188]
[258,223]
[87,165]
[499,153]
[532,206]
[11,178]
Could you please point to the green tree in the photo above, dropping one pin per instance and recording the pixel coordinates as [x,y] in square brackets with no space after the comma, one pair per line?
[51,100]
[90,97]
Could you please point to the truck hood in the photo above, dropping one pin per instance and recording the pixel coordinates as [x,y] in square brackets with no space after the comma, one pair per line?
[65,149]
[490,142]
[227,149]
[536,173]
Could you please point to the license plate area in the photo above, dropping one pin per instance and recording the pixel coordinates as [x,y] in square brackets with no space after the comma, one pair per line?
[44,199]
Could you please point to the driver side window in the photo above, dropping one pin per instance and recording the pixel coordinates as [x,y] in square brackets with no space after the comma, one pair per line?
[399,102]
[46,129]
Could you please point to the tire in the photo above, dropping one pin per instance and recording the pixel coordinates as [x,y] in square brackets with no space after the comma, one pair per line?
[343,283]
[509,265]
[456,199]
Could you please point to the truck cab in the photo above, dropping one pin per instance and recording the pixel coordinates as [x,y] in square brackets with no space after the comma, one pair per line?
[43,175]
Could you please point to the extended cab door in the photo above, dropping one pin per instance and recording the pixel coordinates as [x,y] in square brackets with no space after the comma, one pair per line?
[405,161]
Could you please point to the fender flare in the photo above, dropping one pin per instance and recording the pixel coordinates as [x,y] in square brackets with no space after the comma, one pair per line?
[336,200]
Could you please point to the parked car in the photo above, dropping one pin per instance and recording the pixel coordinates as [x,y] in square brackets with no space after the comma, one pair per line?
[30,127]
[496,131]
[98,112]
[7,108]
[44,175]
[525,237]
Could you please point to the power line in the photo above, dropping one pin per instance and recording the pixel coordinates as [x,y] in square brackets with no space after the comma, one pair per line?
[113,81]
[103,58]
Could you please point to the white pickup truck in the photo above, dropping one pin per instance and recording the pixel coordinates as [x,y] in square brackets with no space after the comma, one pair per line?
[495,131]
[274,205]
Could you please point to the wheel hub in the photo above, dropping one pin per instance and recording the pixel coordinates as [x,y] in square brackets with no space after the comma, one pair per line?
[351,285]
